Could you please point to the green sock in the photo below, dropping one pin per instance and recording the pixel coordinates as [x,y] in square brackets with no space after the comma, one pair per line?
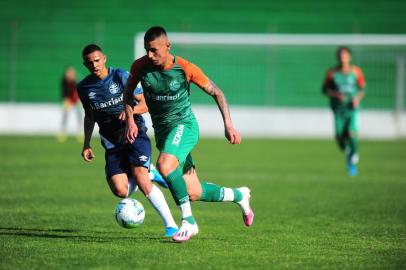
[211,192]
[190,219]
[215,193]
[237,195]
[177,186]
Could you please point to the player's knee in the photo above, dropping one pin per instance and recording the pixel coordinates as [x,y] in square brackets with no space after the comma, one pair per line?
[194,197]
[164,168]
[139,170]
[120,191]
[194,193]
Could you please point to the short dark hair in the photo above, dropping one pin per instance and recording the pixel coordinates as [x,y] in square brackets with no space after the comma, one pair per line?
[154,33]
[343,49]
[90,48]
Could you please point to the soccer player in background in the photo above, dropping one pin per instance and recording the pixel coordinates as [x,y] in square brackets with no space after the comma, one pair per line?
[344,85]
[101,94]
[70,101]
[166,79]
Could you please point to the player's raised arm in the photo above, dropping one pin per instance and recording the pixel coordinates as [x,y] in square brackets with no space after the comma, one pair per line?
[230,132]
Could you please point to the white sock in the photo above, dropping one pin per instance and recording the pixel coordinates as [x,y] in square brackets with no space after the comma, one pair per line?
[355,158]
[228,195]
[132,186]
[157,199]
[186,209]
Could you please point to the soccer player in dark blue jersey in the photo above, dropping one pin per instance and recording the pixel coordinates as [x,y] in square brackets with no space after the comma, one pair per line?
[101,94]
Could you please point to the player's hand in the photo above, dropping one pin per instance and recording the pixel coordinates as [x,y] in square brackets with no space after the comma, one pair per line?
[88,154]
[122,116]
[67,104]
[132,130]
[340,97]
[232,135]
[355,102]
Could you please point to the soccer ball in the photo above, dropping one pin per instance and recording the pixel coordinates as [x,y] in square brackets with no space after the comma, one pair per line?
[129,213]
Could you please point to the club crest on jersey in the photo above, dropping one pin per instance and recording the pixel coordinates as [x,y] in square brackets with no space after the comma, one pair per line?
[114,88]
[174,85]
[350,80]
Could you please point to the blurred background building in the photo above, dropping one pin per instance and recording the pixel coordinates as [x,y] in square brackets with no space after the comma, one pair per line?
[274,88]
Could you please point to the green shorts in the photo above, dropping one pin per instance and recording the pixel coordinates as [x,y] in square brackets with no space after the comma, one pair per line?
[180,141]
[346,122]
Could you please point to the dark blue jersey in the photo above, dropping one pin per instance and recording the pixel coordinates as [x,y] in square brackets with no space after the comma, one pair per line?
[104,98]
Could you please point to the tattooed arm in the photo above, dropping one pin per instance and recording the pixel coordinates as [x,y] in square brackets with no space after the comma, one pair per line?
[231,134]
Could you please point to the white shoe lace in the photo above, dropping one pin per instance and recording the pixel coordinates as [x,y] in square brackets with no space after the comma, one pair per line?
[186,231]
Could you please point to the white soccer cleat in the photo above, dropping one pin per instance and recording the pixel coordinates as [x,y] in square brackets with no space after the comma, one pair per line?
[247,213]
[185,232]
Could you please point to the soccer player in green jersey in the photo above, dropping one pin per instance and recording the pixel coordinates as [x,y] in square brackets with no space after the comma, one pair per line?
[345,85]
[127,165]
[166,80]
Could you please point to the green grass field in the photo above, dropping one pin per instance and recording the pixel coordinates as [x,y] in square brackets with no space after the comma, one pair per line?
[58,213]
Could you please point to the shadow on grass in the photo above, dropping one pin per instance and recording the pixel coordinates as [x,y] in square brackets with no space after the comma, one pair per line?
[77,235]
